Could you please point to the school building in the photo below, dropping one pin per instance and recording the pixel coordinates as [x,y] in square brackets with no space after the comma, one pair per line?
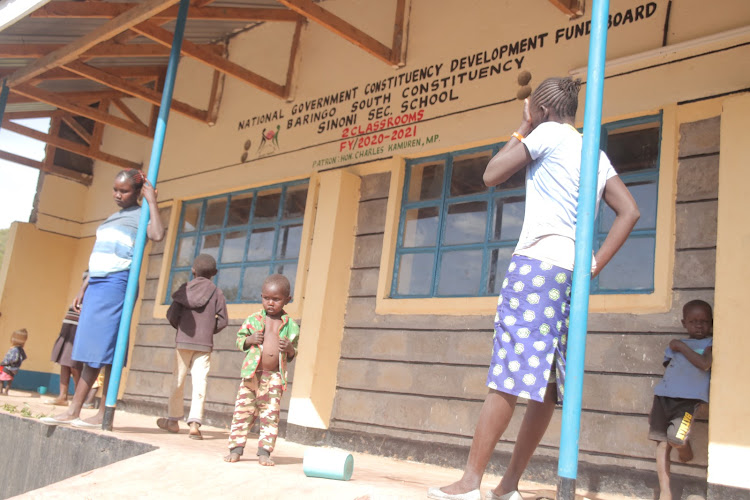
[342,144]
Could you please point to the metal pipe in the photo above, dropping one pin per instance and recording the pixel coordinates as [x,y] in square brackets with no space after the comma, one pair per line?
[576,353]
[3,100]
[131,291]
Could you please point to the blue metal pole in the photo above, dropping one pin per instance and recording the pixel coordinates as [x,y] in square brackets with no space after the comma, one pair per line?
[3,100]
[140,241]
[579,308]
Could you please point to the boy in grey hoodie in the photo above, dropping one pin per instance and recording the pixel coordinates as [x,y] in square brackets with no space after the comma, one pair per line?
[198,312]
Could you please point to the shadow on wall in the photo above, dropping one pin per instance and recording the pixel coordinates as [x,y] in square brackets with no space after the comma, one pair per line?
[51,454]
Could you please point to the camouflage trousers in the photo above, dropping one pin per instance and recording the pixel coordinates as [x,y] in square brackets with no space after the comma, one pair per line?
[258,396]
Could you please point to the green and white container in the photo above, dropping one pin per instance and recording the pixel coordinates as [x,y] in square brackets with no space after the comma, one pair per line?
[328,464]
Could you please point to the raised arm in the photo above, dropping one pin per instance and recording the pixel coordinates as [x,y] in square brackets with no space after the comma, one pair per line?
[155,229]
[619,199]
[701,361]
[513,156]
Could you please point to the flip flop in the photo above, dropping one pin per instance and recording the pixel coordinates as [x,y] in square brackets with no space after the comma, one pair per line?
[84,425]
[54,421]
[438,494]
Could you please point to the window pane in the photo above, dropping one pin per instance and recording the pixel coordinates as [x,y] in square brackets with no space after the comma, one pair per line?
[234,247]
[294,204]
[632,268]
[426,182]
[415,274]
[645,196]
[239,209]
[185,251]
[261,244]
[508,218]
[634,148]
[229,282]
[191,216]
[499,262]
[252,283]
[468,170]
[215,209]
[267,206]
[290,271]
[465,223]
[460,273]
[178,279]
[290,238]
[420,227]
[210,245]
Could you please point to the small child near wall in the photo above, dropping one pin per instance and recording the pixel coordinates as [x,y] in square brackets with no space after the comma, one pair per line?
[682,389]
[13,359]
[269,337]
[198,312]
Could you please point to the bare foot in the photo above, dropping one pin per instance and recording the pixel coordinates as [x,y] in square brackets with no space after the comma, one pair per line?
[168,425]
[232,457]
[266,461]
[95,420]
[685,453]
[57,401]
[458,488]
[64,417]
[194,433]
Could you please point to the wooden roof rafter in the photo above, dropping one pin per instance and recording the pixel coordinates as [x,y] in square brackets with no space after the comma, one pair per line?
[572,8]
[390,55]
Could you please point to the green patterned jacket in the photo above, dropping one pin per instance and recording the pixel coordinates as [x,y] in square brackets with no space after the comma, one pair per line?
[256,323]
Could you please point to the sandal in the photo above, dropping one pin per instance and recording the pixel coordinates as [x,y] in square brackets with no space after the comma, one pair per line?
[168,425]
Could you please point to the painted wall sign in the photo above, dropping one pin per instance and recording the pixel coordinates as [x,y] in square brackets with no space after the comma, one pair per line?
[380,117]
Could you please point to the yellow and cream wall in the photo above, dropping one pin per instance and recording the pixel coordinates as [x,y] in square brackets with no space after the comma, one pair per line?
[412,369]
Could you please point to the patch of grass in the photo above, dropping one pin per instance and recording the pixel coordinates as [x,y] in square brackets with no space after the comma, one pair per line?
[40,415]
[26,412]
[10,408]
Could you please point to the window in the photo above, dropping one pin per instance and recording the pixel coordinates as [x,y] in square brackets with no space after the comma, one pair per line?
[456,236]
[251,234]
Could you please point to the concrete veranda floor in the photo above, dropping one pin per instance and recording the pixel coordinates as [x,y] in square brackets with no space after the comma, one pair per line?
[185,468]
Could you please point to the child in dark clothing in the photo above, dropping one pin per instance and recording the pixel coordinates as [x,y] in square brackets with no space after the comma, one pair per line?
[13,359]
[198,312]
[684,387]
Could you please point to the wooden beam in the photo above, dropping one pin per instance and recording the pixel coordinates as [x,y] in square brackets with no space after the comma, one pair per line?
[292,59]
[399,29]
[160,35]
[104,32]
[49,150]
[52,169]
[96,136]
[22,115]
[85,97]
[148,95]
[61,102]
[125,109]
[134,72]
[572,8]
[214,99]
[106,10]
[30,50]
[342,28]
[71,146]
[76,127]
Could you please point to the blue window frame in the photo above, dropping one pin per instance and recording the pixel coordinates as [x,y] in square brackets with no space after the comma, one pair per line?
[456,236]
[250,233]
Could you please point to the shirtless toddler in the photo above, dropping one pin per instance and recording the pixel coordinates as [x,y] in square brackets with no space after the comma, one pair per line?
[269,337]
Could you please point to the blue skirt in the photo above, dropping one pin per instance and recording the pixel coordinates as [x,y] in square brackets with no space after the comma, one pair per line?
[96,336]
[531,328]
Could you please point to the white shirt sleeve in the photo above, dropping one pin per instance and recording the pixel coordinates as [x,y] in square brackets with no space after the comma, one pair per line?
[540,141]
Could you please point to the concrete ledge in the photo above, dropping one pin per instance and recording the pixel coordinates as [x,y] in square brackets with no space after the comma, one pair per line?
[593,478]
[35,455]
[721,492]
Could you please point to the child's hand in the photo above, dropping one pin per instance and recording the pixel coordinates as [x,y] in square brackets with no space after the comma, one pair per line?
[256,338]
[78,302]
[677,345]
[286,346]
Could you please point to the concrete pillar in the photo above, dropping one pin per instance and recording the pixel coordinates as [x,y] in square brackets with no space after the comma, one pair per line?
[325,298]
[729,441]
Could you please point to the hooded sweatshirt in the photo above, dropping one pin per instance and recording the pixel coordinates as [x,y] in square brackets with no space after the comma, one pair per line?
[198,311]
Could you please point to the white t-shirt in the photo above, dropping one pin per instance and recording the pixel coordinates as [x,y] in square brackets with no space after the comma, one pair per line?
[552,179]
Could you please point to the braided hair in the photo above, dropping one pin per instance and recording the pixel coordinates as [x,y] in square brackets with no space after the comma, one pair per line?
[134,176]
[558,94]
